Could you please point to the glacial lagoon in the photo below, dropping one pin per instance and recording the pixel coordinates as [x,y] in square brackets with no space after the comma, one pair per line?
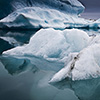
[27,77]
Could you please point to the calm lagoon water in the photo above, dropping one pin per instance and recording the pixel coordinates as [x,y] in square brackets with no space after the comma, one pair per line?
[27,78]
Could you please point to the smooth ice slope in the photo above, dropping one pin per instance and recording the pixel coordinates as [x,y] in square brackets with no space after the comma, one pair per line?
[84,65]
[53,44]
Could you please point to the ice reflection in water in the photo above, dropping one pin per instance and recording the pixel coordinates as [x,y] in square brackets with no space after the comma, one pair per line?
[21,37]
[30,81]
[83,89]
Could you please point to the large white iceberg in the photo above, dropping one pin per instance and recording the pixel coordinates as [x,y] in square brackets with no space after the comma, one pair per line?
[69,6]
[51,13]
[37,17]
[53,44]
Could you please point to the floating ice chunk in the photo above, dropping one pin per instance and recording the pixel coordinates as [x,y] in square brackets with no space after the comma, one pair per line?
[53,44]
[85,65]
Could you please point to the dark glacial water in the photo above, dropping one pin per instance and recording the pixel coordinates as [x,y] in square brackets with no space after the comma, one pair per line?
[27,78]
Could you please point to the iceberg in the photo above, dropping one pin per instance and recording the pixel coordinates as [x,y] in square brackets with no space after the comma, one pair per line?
[53,44]
[8,6]
[36,14]
[36,18]
[83,65]
[52,13]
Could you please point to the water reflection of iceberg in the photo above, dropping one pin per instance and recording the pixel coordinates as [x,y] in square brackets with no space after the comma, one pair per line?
[16,37]
[84,89]
[16,65]
[11,39]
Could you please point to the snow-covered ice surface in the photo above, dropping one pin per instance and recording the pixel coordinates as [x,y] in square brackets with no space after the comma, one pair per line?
[58,14]
[37,17]
[67,6]
[52,13]
[53,44]
[52,56]
[83,65]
